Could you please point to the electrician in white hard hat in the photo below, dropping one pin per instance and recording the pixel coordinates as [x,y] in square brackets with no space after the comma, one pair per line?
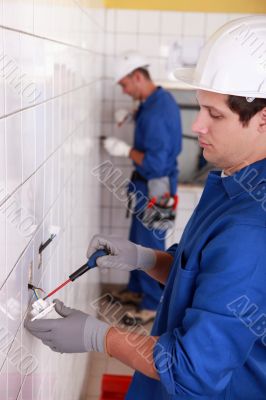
[157,143]
[209,337]
[129,62]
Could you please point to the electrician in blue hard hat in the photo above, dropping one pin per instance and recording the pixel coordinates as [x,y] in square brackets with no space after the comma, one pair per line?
[209,337]
[157,143]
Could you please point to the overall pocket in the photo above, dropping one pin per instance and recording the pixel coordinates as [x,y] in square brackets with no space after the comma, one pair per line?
[182,291]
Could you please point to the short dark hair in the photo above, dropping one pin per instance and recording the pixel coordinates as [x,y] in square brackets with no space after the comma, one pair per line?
[143,71]
[246,110]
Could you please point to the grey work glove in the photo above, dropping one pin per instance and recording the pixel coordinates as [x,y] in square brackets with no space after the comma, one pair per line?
[124,255]
[76,332]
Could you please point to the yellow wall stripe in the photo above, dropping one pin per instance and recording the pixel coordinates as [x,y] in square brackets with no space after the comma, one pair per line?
[90,3]
[230,6]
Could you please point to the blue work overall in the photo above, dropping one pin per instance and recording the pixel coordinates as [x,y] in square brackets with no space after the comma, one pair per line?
[158,134]
[211,321]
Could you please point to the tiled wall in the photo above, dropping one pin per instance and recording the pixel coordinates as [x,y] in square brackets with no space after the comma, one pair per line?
[153,33]
[51,67]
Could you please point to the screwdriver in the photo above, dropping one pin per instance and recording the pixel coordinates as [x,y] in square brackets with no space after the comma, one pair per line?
[91,263]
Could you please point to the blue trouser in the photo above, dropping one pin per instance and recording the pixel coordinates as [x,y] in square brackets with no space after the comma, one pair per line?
[139,281]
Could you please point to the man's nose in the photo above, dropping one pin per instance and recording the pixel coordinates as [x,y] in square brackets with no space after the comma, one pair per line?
[199,126]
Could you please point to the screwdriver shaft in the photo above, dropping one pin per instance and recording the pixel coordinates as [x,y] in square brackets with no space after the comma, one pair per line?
[58,288]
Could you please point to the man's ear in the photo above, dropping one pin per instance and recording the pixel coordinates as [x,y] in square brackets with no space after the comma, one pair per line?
[262,121]
[138,76]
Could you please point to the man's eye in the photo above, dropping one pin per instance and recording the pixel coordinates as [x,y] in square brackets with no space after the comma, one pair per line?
[215,116]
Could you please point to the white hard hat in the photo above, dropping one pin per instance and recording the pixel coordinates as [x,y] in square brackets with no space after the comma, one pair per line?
[127,63]
[233,61]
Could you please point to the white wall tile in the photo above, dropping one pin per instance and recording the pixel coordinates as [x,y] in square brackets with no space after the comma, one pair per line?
[4,383]
[40,134]
[3,270]
[49,69]
[1,12]
[193,23]
[149,21]
[25,13]
[171,23]
[12,71]
[13,152]
[48,190]
[110,44]
[11,15]
[2,82]
[48,115]
[2,158]
[43,18]
[109,65]
[110,20]
[125,42]
[28,134]
[27,70]
[148,45]
[28,207]
[39,69]
[16,239]
[18,14]
[39,196]
[127,21]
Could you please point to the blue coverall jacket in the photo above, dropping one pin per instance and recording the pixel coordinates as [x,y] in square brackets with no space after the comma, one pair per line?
[157,134]
[211,321]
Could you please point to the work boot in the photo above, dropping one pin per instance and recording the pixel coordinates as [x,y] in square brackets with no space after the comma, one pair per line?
[127,297]
[138,317]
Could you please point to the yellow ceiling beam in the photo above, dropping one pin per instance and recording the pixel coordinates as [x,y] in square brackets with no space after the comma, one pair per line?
[225,6]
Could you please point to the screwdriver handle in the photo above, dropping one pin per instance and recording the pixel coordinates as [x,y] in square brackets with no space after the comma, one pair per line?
[91,263]
[93,258]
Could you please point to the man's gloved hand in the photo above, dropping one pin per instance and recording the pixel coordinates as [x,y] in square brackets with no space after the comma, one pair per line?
[76,332]
[116,147]
[124,255]
[121,116]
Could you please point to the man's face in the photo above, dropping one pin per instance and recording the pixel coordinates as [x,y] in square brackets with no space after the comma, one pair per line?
[225,141]
[130,86]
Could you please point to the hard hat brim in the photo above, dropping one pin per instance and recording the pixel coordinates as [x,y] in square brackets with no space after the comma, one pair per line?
[122,76]
[187,76]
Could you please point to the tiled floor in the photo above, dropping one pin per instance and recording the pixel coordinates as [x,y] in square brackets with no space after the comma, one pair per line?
[101,364]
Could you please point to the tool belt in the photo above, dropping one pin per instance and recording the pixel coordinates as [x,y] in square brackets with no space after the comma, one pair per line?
[159,211]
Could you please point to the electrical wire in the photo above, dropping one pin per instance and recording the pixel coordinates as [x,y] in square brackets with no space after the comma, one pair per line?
[34,291]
